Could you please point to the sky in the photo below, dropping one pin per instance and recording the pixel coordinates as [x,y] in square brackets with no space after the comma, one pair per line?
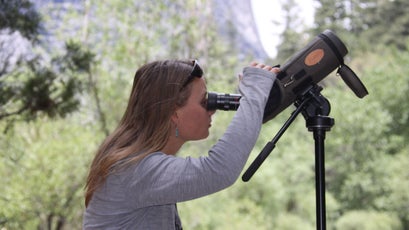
[266,11]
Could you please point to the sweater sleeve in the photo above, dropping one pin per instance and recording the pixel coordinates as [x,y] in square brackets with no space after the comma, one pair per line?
[163,179]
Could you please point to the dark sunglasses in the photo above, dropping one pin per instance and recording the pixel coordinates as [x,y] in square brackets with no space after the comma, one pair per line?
[196,72]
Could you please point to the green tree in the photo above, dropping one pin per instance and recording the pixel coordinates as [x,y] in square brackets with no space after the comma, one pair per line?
[291,39]
[43,166]
[31,85]
[20,15]
[330,14]
[368,220]
[367,150]
[370,24]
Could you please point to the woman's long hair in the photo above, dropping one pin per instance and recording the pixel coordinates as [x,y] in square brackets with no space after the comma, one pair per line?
[146,124]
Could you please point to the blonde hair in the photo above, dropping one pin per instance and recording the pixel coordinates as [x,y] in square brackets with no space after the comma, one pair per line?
[146,124]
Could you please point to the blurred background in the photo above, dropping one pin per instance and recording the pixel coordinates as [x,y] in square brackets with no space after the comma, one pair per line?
[66,69]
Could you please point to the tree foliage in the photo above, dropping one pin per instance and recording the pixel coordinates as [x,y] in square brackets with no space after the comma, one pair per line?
[20,15]
[292,38]
[368,24]
[32,83]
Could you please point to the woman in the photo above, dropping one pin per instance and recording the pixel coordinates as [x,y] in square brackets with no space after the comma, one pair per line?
[136,180]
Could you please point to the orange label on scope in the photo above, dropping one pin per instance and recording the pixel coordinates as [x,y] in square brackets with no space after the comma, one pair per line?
[314,57]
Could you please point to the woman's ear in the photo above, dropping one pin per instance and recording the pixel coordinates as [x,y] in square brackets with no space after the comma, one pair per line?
[175,118]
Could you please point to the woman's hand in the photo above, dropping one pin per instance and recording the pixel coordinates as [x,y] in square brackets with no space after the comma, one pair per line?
[275,70]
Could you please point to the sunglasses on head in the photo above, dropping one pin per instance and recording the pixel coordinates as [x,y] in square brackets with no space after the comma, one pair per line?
[196,72]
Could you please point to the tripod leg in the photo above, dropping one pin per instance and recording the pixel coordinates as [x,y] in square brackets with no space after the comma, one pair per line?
[319,137]
[319,125]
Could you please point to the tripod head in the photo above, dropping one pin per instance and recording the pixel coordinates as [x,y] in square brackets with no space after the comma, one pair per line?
[312,104]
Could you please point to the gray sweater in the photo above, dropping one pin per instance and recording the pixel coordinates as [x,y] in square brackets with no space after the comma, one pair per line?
[144,196]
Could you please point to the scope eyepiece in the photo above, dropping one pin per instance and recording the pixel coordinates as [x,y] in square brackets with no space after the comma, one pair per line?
[223,101]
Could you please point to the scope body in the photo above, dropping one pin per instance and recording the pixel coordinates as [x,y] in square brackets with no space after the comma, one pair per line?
[304,69]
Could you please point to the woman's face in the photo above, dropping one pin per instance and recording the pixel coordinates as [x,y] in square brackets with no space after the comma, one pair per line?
[193,119]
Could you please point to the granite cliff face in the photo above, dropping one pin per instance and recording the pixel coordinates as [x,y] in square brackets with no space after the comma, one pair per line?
[236,17]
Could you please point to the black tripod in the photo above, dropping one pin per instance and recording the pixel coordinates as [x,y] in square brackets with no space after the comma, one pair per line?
[315,108]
